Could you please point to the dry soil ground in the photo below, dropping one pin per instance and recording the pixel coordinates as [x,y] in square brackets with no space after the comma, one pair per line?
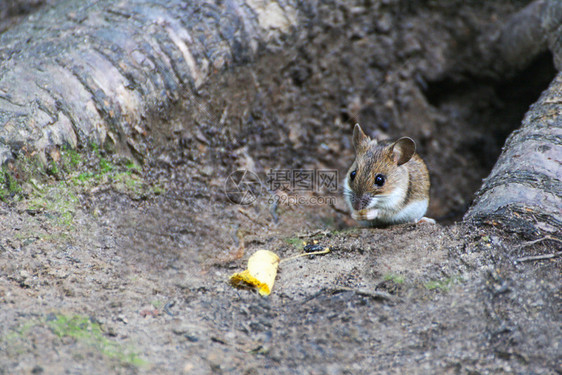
[119,274]
[107,267]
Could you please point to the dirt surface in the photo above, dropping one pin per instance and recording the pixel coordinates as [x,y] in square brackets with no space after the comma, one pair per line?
[111,267]
[141,287]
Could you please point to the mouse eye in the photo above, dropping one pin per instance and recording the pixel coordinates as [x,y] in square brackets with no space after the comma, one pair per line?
[379,180]
[352,175]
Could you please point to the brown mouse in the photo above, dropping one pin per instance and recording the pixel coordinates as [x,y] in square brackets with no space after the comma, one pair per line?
[388,183]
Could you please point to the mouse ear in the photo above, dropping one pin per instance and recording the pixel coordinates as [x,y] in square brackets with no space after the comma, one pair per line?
[360,139]
[403,150]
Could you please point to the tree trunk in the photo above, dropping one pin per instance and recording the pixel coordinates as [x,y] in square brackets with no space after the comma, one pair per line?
[90,72]
[524,190]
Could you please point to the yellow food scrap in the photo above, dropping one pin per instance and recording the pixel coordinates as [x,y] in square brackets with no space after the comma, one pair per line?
[261,272]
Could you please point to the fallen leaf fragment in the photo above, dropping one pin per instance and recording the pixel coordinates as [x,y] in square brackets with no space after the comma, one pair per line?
[261,272]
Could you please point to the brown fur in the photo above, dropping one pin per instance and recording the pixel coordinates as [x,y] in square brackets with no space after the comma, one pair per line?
[374,158]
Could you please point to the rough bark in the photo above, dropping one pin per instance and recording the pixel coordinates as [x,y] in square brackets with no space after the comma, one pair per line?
[552,24]
[90,72]
[524,190]
[515,43]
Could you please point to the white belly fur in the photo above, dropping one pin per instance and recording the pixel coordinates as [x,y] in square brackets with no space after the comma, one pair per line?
[409,214]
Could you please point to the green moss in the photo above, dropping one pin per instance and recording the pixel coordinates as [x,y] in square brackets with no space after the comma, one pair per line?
[345,231]
[83,177]
[58,200]
[59,236]
[83,329]
[157,190]
[29,180]
[71,159]
[397,279]
[443,284]
[296,242]
[20,332]
[105,166]
[95,148]
[9,186]
[132,166]
[53,169]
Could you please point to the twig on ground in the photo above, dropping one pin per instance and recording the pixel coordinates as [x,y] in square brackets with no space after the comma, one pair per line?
[529,243]
[312,234]
[538,257]
[250,216]
[369,293]
[321,252]
[339,210]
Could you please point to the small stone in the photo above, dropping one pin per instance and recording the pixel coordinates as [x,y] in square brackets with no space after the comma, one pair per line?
[207,171]
[188,330]
[384,24]
[188,367]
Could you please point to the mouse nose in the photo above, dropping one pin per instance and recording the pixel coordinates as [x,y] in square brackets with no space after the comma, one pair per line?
[360,202]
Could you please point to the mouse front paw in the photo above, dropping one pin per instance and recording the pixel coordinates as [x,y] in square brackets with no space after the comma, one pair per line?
[370,214]
[426,220]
